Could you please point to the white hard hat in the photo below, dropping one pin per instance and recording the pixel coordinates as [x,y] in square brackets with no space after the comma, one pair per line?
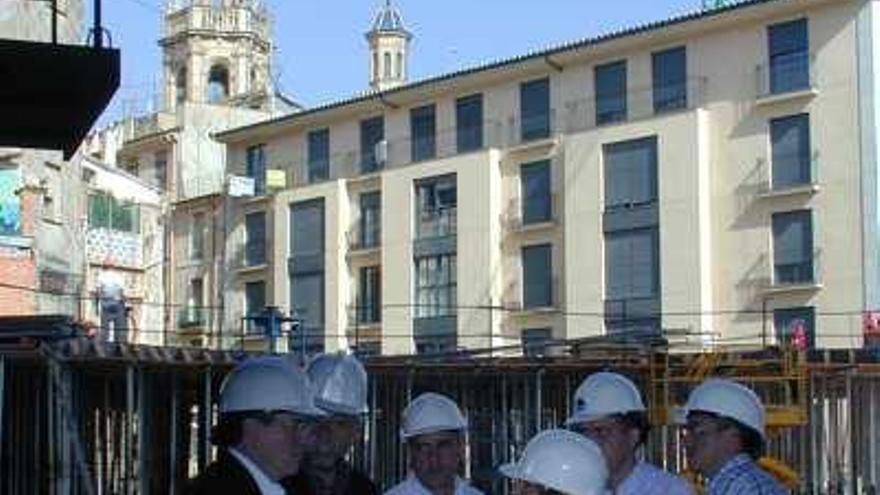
[603,394]
[728,399]
[340,383]
[431,413]
[268,384]
[563,461]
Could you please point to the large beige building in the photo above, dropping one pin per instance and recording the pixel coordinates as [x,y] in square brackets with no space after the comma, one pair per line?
[711,178]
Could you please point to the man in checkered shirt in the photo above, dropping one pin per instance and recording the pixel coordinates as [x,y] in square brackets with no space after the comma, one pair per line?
[725,436]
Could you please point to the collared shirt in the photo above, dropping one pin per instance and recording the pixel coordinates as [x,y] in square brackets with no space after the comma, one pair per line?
[742,476]
[647,479]
[266,485]
[412,486]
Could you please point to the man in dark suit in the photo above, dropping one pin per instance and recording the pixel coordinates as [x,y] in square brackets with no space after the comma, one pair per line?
[266,416]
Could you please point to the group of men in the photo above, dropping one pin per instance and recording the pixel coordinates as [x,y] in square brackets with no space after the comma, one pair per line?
[283,430]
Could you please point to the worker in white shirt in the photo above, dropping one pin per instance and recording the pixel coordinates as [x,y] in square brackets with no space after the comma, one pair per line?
[434,430]
[609,410]
[559,462]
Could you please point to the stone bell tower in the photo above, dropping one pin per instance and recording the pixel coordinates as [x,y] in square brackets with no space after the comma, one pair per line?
[389,43]
[217,52]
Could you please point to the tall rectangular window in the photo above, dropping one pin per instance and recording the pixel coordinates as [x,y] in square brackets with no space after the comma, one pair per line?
[535,340]
[435,286]
[373,155]
[535,191]
[610,81]
[306,269]
[105,212]
[534,105]
[793,324]
[469,123]
[369,301]
[160,169]
[793,247]
[632,264]
[422,126]
[255,238]
[789,56]
[436,214]
[256,167]
[195,305]
[669,70]
[537,273]
[630,173]
[319,155]
[197,237]
[371,219]
[790,149]
[254,303]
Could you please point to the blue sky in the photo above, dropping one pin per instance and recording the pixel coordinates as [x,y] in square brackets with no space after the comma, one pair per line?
[321,53]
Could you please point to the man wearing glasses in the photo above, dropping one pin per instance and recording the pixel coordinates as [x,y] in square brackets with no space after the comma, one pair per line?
[608,409]
[725,436]
[266,411]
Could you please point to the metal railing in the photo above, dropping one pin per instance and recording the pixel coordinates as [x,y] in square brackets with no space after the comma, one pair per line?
[801,272]
[785,74]
[359,239]
[437,223]
[191,317]
[517,215]
[790,172]
[514,297]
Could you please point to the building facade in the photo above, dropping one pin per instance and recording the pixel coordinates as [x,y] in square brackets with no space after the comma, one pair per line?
[710,178]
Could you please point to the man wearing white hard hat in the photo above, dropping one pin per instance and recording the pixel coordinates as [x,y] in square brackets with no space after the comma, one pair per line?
[559,462]
[434,431]
[340,384]
[724,427]
[608,409]
[266,410]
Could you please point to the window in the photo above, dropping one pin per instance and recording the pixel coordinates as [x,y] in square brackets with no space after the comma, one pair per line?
[435,286]
[371,219]
[180,85]
[195,305]
[375,65]
[534,104]
[319,155]
[793,324]
[535,191]
[306,269]
[369,305]
[669,69]
[422,130]
[255,239]
[790,148]
[436,207]
[254,304]
[632,264]
[160,169]
[218,84]
[372,154]
[535,340]
[537,273]
[789,56]
[630,173]
[386,71]
[399,72]
[793,247]
[256,167]
[197,237]
[610,82]
[469,123]
[107,213]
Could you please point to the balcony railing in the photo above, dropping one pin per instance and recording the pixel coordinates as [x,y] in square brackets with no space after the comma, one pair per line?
[191,317]
[518,215]
[210,18]
[514,298]
[437,223]
[359,239]
[785,74]
[803,272]
[791,174]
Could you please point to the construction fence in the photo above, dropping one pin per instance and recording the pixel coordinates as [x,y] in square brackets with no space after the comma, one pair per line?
[80,417]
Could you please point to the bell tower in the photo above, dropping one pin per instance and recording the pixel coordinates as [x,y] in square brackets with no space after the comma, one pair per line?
[389,43]
[216,52]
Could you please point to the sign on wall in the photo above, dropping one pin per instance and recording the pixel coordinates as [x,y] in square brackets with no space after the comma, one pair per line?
[10,204]
[241,186]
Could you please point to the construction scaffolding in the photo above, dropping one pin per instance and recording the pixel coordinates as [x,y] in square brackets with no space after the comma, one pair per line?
[79,416]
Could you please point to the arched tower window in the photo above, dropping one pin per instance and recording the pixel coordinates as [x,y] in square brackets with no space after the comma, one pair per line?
[180,86]
[375,66]
[386,71]
[399,72]
[218,84]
